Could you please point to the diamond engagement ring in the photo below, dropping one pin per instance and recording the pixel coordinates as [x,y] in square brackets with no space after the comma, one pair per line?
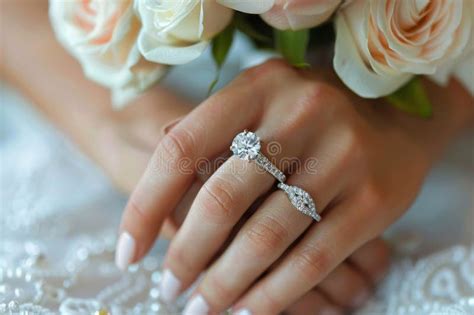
[246,145]
[301,200]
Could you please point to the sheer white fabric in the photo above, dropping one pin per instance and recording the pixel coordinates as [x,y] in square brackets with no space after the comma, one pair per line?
[59,217]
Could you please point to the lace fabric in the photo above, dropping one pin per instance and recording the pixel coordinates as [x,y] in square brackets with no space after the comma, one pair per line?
[54,259]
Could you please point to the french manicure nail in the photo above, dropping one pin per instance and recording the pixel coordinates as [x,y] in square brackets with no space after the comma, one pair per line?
[243,312]
[197,306]
[169,286]
[125,251]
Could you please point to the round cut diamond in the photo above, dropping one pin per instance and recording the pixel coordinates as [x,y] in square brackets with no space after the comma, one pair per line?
[246,145]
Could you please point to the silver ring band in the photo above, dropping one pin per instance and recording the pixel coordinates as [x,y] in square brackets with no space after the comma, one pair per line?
[268,166]
[246,145]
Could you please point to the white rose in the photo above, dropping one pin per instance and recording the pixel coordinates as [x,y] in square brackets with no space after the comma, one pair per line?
[381,44]
[178,31]
[102,36]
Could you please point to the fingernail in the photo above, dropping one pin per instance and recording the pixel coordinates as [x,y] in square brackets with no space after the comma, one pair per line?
[243,312]
[125,251]
[330,311]
[197,306]
[169,287]
[360,298]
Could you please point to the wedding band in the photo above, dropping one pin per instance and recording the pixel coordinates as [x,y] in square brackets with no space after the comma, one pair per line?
[301,200]
[246,145]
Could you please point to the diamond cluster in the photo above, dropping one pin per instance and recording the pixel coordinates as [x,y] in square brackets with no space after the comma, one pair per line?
[301,200]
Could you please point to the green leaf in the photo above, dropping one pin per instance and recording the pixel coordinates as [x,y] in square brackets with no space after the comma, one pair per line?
[221,45]
[412,98]
[292,45]
[213,83]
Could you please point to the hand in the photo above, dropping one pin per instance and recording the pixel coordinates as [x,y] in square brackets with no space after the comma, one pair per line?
[372,161]
[128,141]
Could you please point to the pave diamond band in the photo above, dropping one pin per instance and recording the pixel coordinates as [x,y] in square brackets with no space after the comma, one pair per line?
[268,166]
[301,200]
[246,145]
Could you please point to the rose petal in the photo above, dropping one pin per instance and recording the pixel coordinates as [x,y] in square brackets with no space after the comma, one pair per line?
[353,71]
[299,14]
[248,6]
[169,53]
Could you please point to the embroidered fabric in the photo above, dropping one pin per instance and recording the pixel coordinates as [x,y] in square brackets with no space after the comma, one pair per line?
[56,259]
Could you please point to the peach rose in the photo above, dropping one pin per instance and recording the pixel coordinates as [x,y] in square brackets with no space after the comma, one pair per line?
[381,44]
[102,36]
[178,31]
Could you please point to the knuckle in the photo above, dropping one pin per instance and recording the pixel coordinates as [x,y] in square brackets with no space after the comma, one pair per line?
[312,102]
[319,93]
[322,99]
[355,144]
[137,211]
[374,195]
[269,302]
[313,263]
[218,198]
[266,235]
[178,144]
[177,258]
[356,141]
[268,69]
[382,257]
[217,292]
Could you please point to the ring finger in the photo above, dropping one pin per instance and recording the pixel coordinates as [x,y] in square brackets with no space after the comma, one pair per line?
[219,205]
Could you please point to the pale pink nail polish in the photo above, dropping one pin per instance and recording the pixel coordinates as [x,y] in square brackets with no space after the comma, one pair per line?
[243,312]
[125,251]
[197,306]
[169,287]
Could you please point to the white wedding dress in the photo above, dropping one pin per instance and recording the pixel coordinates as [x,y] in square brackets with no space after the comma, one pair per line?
[59,216]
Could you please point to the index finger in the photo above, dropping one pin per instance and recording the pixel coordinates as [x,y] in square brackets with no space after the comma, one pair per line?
[204,133]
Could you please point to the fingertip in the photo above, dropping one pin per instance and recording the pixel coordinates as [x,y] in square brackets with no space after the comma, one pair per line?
[125,250]
[170,287]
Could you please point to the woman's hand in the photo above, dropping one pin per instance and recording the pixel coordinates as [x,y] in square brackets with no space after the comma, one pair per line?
[371,163]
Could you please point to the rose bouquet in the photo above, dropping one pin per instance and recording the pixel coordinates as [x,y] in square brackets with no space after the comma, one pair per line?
[380,46]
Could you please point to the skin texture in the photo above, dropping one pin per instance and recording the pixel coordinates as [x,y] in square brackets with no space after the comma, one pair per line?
[360,188]
[123,142]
